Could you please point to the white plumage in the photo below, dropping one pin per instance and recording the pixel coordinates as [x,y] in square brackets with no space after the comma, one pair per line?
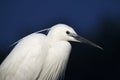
[40,57]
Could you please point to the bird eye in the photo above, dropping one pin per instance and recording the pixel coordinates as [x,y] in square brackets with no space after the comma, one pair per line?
[67,32]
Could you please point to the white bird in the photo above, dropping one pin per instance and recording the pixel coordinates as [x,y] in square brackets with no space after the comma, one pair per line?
[39,56]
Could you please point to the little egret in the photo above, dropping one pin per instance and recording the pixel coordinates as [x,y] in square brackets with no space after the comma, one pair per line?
[41,57]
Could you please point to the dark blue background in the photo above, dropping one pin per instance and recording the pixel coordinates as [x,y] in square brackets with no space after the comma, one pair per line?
[96,20]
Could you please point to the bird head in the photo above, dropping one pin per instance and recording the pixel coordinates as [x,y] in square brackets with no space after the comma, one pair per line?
[64,32]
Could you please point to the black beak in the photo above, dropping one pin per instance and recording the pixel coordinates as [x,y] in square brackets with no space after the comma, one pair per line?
[83,40]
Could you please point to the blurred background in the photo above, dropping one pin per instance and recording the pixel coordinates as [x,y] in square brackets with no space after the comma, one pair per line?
[96,20]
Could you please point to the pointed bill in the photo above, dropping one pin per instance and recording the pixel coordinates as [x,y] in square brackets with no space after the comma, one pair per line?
[83,40]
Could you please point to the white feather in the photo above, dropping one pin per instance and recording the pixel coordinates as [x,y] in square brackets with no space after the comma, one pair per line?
[38,57]
[56,61]
[17,66]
